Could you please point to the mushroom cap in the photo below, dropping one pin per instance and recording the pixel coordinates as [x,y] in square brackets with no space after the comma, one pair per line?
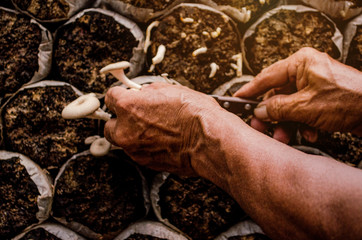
[115,66]
[100,147]
[81,107]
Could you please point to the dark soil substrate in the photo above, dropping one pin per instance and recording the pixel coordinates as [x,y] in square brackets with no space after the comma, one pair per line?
[104,194]
[198,207]
[179,62]
[19,43]
[39,234]
[90,43]
[250,237]
[137,236]
[18,198]
[34,126]
[344,147]
[254,6]
[284,33]
[44,9]
[354,58]
[156,5]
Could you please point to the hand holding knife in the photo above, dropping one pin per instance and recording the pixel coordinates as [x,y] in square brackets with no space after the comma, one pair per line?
[238,106]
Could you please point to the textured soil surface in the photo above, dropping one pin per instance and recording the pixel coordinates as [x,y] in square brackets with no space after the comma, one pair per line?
[254,6]
[104,194]
[344,147]
[18,198]
[39,234]
[35,128]
[250,237]
[156,5]
[137,236]
[93,41]
[179,62]
[19,43]
[285,33]
[44,9]
[354,58]
[197,207]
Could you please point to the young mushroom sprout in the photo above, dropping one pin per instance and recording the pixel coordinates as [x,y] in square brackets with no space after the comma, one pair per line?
[214,67]
[186,20]
[99,146]
[117,70]
[246,15]
[199,51]
[86,106]
[161,50]
[148,35]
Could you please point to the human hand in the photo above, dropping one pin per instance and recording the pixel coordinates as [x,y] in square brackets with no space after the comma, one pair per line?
[160,125]
[308,87]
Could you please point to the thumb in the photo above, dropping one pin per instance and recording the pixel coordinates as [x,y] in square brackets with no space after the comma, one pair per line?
[283,108]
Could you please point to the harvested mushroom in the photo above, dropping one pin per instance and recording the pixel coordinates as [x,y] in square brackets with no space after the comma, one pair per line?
[158,58]
[101,147]
[117,70]
[86,106]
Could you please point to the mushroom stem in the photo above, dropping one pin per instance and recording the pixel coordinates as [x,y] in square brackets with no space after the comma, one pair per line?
[239,63]
[148,35]
[86,106]
[199,51]
[186,20]
[117,70]
[161,50]
[246,15]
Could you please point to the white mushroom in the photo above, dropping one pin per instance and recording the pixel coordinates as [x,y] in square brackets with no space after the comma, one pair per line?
[246,15]
[216,33]
[199,51]
[86,106]
[214,67]
[205,33]
[101,147]
[91,139]
[183,35]
[158,58]
[239,63]
[117,70]
[148,35]
[262,2]
[186,20]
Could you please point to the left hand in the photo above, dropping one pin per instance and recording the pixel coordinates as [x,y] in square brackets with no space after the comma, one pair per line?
[160,125]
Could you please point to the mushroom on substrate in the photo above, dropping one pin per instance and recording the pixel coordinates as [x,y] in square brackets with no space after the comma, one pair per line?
[99,147]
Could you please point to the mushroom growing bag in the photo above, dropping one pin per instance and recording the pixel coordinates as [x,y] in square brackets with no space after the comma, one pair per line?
[48,231]
[98,197]
[24,60]
[26,194]
[95,38]
[51,10]
[274,37]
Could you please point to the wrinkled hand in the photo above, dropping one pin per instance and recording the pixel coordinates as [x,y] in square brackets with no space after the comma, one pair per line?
[158,126]
[308,87]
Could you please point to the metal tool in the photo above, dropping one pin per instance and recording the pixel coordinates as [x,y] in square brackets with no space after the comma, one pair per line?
[239,106]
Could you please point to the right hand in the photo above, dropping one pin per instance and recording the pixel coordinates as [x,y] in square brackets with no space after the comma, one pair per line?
[311,88]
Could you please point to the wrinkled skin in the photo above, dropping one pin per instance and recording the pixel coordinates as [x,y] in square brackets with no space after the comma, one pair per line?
[162,124]
[308,87]
[290,194]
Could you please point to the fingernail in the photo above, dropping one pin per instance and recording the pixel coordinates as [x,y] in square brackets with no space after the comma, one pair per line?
[261,113]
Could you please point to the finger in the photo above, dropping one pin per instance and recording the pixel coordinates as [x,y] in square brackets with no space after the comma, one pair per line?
[309,133]
[258,125]
[115,94]
[284,132]
[110,131]
[284,108]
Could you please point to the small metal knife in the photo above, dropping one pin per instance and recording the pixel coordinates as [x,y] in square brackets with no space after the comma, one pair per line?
[239,106]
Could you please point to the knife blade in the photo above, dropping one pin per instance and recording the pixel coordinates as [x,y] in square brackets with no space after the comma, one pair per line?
[239,106]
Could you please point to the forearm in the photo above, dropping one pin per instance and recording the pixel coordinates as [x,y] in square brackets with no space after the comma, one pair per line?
[290,194]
